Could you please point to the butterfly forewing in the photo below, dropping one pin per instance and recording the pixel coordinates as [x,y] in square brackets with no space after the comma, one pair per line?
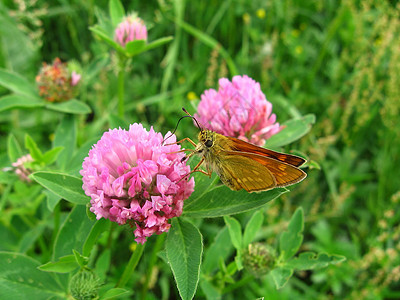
[242,146]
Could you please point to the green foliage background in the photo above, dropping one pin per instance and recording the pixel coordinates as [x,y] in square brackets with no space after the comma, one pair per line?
[338,60]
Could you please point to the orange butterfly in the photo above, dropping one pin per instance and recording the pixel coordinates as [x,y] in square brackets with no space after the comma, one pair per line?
[242,165]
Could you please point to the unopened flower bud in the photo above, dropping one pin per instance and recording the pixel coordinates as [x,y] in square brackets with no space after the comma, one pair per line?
[259,259]
[84,285]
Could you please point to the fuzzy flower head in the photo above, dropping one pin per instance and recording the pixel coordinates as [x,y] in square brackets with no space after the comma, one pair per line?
[56,83]
[22,167]
[131,178]
[238,109]
[130,29]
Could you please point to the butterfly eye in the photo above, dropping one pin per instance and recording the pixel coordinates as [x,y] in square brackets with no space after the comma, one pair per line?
[208,143]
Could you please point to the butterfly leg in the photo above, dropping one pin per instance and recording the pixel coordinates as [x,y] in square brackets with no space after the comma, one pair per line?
[197,169]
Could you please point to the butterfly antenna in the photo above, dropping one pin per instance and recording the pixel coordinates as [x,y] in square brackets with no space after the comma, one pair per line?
[176,127]
[189,115]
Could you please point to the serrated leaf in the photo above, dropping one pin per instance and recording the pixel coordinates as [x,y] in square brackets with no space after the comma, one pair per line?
[63,185]
[72,106]
[13,148]
[235,231]
[17,83]
[252,227]
[293,130]
[291,239]
[281,276]
[117,11]
[33,148]
[73,232]
[20,277]
[221,201]
[50,156]
[184,249]
[311,261]
[19,101]
[64,264]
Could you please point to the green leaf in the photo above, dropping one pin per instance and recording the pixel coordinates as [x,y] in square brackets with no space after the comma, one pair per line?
[52,199]
[135,47]
[117,11]
[50,156]
[293,130]
[115,292]
[235,231]
[29,237]
[252,227]
[281,276]
[158,43]
[210,291]
[221,201]
[17,83]
[63,185]
[291,239]
[33,148]
[20,277]
[75,164]
[311,261]
[72,106]
[184,249]
[65,136]
[64,264]
[221,248]
[80,259]
[13,148]
[98,228]
[103,264]
[102,34]
[73,232]
[19,101]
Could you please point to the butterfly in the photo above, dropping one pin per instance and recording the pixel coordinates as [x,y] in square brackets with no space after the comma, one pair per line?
[242,165]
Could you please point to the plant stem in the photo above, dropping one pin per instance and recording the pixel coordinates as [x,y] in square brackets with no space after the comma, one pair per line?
[130,268]
[121,87]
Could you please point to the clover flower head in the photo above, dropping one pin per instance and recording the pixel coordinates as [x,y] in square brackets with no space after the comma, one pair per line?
[21,169]
[238,109]
[56,83]
[132,178]
[131,28]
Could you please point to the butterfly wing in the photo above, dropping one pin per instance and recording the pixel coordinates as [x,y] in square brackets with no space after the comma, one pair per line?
[254,172]
[241,172]
[242,146]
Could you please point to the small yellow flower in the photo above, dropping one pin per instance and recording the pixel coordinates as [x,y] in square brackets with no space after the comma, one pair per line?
[261,13]
[191,96]
[246,18]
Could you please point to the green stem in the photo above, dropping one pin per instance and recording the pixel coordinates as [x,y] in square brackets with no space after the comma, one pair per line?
[121,87]
[153,259]
[130,268]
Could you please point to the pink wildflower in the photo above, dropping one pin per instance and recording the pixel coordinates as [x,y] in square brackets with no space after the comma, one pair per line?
[238,109]
[21,169]
[131,178]
[75,78]
[130,29]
